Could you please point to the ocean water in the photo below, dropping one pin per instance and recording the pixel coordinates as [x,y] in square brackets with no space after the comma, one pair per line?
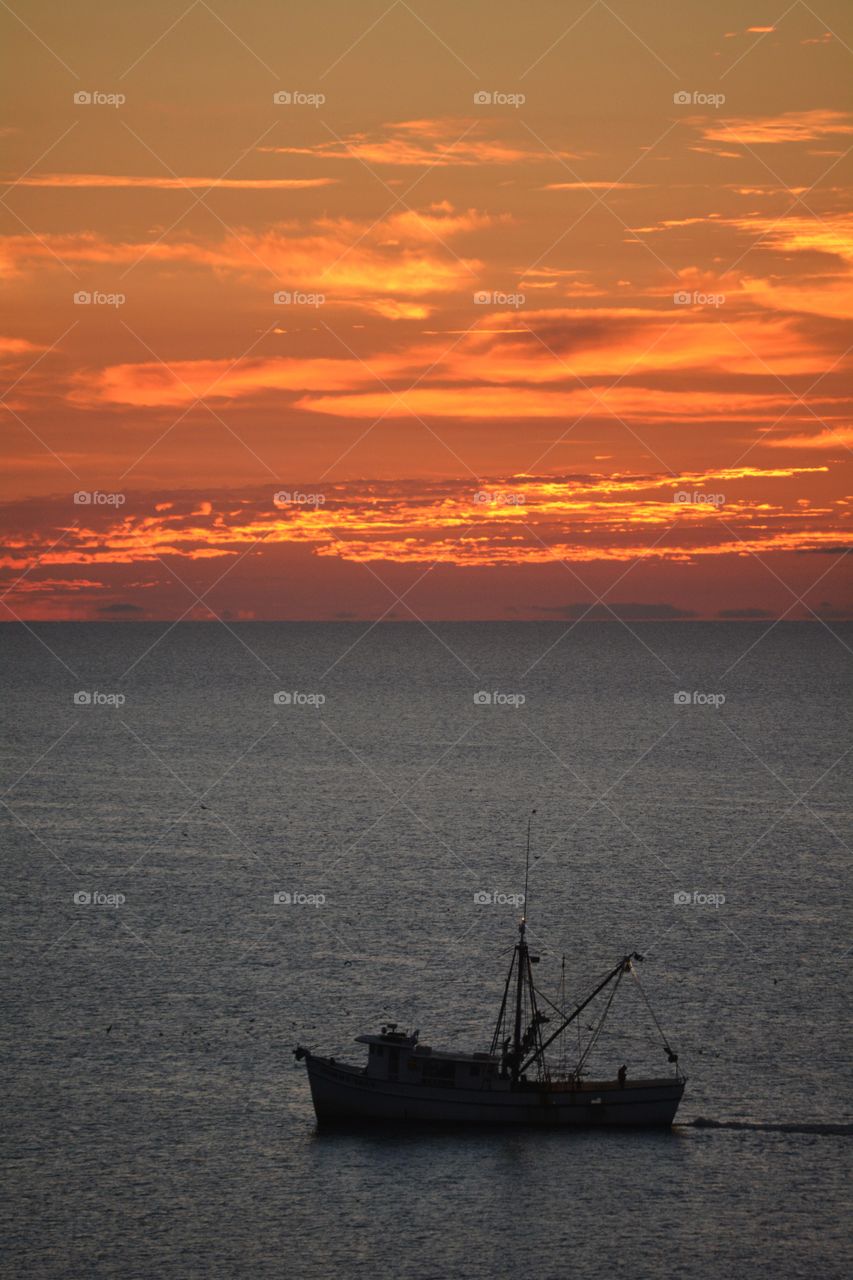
[157,1125]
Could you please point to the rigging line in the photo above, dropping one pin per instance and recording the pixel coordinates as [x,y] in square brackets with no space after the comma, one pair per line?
[580,1007]
[580,1046]
[666,1044]
[645,1038]
[597,1031]
[551,1005]
[561,1011]
[536,1024]
[499,1025]
[575,1004]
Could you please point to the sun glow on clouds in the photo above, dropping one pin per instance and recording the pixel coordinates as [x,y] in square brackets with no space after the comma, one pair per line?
[434,143]
[512,520]
[831,235]
[790,126]
[380,264]
[511,372]
[158,183]
[599,363]
[837,438]
[506,403]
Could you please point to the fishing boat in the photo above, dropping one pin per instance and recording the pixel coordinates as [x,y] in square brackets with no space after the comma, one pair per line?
[405,1081]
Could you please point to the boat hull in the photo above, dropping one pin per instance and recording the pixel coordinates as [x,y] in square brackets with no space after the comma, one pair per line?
[346,1094]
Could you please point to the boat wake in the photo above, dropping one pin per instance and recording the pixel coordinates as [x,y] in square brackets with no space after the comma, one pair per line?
[702,1122]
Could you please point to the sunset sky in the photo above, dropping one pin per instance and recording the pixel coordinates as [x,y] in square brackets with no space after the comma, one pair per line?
[563,317]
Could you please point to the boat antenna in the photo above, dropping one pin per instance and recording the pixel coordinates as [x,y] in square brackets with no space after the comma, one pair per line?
[527,863]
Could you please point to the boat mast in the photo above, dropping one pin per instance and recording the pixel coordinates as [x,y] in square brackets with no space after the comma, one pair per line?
[523,971]
[521,959]
[562,1058]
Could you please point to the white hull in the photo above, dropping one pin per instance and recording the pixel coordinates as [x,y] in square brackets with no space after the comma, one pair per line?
[343,1093]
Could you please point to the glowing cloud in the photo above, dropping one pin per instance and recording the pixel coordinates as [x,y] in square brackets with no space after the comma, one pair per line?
[790,126]
[156,183]
[430,143]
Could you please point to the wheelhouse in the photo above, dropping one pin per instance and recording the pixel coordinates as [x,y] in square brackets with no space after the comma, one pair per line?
[393,1056]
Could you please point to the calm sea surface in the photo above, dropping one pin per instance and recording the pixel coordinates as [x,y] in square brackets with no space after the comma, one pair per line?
[157,1125]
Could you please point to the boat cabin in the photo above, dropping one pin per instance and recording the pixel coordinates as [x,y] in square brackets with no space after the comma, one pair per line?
[394,1056]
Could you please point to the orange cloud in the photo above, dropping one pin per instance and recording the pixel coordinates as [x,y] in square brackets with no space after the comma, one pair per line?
[154,384]
[404,255]
[831,234]
[530,369]
[837,438]
[819,295]
[155,183]
[822,288]
[612,342]
[433,143]
[506,403]
[789,126]
[514,520]
[17,346]
[595,186]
